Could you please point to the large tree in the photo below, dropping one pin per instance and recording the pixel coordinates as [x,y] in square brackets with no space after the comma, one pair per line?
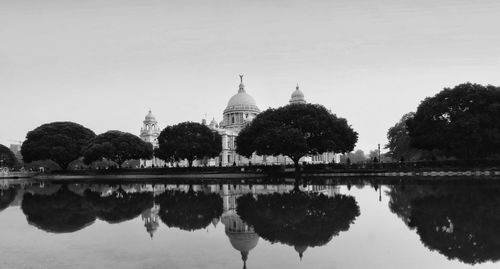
[460,221]
[61,142]
[60,212]
[463,122]
[190,141]
[118,147]
[299,219]
[190,210]
[296,130]
[7,157]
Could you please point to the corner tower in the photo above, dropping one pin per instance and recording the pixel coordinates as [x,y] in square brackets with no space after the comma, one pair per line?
[150,130]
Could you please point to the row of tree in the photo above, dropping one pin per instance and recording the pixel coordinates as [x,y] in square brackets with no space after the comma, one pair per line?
[461,123]
[294,130]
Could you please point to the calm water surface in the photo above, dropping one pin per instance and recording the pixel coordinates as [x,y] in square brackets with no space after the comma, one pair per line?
[362,225]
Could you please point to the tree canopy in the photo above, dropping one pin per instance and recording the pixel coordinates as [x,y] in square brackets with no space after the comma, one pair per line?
[458,221]
[118,147]
[296,130]
[61,212]
[119,206]
[462,122]
[61,142]
[189,210]
[190,141]
[7,157]
[299,219]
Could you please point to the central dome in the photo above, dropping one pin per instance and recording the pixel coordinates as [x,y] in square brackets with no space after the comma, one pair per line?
[241,101]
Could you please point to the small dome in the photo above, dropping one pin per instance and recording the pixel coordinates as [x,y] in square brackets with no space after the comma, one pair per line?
[150,116]
[297,96]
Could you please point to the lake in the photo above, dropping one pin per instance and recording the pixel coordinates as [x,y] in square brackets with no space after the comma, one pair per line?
[362,224]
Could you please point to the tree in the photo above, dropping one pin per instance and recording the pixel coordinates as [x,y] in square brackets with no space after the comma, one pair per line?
[188,140]
[399,141]
[462,122]
[296,130]
[61,212]
[61,142]
[118,147]
[356,157]
[119,206]
[190,210]
[300,219]
[7,157]
[460,221]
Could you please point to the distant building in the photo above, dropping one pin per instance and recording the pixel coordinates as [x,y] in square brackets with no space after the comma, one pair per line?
[16,149]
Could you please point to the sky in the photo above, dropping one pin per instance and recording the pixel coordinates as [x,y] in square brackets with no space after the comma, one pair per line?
[104,64]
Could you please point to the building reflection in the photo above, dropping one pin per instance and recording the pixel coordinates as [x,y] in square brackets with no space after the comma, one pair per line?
[68,208]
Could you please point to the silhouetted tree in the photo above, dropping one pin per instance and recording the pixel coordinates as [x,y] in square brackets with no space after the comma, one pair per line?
[189,210]
[6,197]
[61,142]
[61,212]
[296,130]
[188,140]
[7,157]
[118,147]
[119,206]
[463,122]
[298,218]
[458,221]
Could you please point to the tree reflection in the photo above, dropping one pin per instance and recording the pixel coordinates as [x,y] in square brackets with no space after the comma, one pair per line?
[61,212]
[6,197]
[460,222]
[189,210]
[299,219]
[119,205]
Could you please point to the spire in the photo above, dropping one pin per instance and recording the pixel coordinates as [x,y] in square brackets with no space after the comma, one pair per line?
[297,87]
[244,257]
[242,87]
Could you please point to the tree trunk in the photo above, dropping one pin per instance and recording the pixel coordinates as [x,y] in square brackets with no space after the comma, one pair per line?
[190,162]
[296,163]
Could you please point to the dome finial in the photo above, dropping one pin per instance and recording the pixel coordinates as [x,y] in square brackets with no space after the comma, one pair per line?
[242,87]
[297,86]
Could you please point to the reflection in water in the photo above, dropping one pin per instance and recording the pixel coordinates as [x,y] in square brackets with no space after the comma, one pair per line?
[299,219]
[61,212]
[190,210]
[6,197]
[460,222]
[119,205]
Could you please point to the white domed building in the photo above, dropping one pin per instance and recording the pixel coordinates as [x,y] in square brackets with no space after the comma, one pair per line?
[240,110]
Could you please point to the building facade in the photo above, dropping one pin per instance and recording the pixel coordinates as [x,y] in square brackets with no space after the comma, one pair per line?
[241,109]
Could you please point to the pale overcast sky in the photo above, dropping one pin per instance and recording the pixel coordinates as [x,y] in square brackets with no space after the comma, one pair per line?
[103,64]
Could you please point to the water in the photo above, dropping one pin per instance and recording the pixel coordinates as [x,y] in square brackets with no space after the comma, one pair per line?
[359,225]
